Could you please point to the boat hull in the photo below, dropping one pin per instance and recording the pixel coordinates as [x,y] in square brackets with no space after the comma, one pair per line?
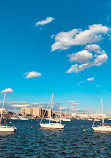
[14,118]
[23,118]
[8,129]
[52,125]
[102,128]
[65,119]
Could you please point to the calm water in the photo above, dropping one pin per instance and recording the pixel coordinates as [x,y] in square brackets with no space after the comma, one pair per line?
[32,141]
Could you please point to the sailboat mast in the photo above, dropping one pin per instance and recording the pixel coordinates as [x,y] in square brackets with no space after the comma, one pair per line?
[65,112]
[2,107]
[51,105]
[60,114]
[102,112]
[52,101]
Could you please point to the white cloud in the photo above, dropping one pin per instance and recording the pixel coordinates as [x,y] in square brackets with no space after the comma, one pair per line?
[7,90]
[93,47]
[100,51]
[90,79]
[75,109]
[80,57]
[73,102]
[33,74]
[64,40]
[20,105]
[46,21]
[77,68]
[17,104]
[96,60]
[80,82]
[101,59]
[96,48]
[24,104]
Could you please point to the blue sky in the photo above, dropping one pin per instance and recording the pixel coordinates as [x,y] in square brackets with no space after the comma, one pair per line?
[26,47]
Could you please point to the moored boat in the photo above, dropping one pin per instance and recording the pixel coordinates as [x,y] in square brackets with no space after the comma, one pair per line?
[66,119]
[8,128]
[5,127]
[104,127]
[53,125]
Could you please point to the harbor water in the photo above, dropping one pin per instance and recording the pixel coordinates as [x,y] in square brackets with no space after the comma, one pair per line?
[75,140]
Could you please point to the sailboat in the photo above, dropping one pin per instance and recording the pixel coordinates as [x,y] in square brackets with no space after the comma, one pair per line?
[6,128]
[23,118]
[104,127]
[66,119]
[52,125]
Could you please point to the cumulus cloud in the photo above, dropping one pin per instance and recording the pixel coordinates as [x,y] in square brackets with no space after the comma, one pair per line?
[7,90]
[64,40]
[32,74]
[90,79]
[80,57]
[95,48]
[46,21]
[92,47]
[77,68]
[97,58]
[101,59]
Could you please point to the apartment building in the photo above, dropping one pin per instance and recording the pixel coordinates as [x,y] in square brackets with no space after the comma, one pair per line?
[37,112]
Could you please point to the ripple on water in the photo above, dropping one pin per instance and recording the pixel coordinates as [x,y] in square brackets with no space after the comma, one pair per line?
[32,141]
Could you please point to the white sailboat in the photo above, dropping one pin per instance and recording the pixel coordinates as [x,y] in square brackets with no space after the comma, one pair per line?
[66,119]
[53,125]
[97,120]
[23,118]
[104,127]
[6,128]
[14,118]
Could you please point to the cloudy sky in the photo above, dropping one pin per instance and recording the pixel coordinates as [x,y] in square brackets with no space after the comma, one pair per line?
[60,47]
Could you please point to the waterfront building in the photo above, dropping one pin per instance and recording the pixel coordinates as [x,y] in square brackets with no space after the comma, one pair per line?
[3,110]
[37,112]
[88,115]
